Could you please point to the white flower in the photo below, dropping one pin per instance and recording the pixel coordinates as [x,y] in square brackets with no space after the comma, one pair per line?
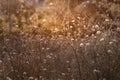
[93,29]
[51,54]
[107,20]
[87,44]
[48,56]
[118,28]
[63,74]
[43,48]
[78,24]
[35,26]
[43,79]
[109,51]
[98,32]
[110,42]
[27,62]
[7,40]
[24,73]
[69,69]
[47,48]
[114,40]
[96,71]
[45,69]
[17,26]
[56,29]
[8,78]
[72,39]
[95,37]
[43,20]
[40,76]
[35,79]
[44,61]
[86,36]
[73,20]
[51,4]
[30,78]
[78,17]
[88,1]
[67,61]
[81,44]
[71,26]
[1,61]
[96,26]
[102,39]
[14,53]
[76,39]
[104,78]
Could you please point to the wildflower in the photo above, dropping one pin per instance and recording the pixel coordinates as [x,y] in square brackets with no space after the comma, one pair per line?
[87,44]
[44,20]
[86,36]
[35,26]
[56,29]
[96,71]
[71,26]
[43,48]
[17,26]
[36,79]
[78,17]
[51,54]
[110,42]
[45,69]
[76,39]
[47,48]
[102,39]
[43,79]
[109,51]
[114,40]
[44,61]
[14,53]
[73,20]
[81,44]
[48,56]
[1,61]
[67,61]
[93,29]
[27,62]
[72,39]
[68,69]
[107,20]
[30,78]
[51,4]
[96,26]
[8,78]
[95,37]
[7,40]
[88,1]
[118,28]
[98,32]
[24,73]
[40,76]
[63,74]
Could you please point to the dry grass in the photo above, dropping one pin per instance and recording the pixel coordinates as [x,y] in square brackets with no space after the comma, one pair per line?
[65,45]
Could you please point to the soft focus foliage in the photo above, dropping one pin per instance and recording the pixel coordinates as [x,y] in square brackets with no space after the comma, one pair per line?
[59,40]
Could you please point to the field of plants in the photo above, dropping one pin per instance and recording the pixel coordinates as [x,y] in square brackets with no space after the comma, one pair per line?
[59,39]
